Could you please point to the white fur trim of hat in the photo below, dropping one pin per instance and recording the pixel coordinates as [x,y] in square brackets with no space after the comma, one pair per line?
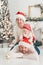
[24,44]
[21,15]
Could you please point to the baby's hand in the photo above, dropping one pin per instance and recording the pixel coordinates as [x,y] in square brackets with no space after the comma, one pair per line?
[7,56]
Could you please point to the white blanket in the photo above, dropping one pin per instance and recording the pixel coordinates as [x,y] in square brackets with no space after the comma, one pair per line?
[15,61]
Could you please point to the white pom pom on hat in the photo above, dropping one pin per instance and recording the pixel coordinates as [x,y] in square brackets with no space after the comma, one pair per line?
[21,15]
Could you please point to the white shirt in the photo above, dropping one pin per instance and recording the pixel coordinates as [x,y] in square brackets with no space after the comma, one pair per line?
[16,32]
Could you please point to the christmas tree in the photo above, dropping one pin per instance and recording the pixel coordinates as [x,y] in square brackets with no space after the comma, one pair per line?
[5,22]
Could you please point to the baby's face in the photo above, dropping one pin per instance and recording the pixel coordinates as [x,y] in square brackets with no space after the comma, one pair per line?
[19,22]
[26,32]
[23,49]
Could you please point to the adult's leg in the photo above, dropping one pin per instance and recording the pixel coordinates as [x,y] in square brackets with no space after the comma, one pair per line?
[37,49]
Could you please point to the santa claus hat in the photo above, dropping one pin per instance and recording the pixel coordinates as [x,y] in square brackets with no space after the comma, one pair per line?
[27,26]
[21,15]
[25,44]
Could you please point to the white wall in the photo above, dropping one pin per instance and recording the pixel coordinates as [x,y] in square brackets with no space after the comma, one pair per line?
[35,12]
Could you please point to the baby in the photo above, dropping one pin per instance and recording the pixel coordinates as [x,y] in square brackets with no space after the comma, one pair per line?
[25,39]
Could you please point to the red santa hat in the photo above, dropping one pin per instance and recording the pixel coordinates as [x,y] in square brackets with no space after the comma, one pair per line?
[21,15]
[27,26]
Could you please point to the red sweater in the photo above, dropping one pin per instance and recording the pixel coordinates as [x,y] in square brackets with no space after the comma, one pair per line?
[26,40]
